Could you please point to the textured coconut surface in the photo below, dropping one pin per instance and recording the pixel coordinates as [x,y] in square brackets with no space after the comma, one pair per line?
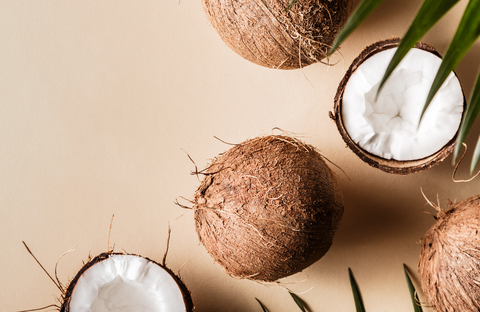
[273,35]
[448,266]
[103,102]
[268,208]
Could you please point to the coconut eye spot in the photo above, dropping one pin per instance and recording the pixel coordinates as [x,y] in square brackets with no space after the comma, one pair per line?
[124,283]
[389,126]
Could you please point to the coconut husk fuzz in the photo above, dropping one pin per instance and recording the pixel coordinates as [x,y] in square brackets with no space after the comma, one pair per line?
[65,307]
[268,208]
[265,32]
[449,263]
[387,165]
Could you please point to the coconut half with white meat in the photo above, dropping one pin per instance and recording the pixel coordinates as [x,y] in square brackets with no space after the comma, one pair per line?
[386,131]
[118,282]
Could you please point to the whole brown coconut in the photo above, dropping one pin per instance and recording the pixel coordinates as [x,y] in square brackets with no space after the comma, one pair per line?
[449,265]
[268,208]
[268,33]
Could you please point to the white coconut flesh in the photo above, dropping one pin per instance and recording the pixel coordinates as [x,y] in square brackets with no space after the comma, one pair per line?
[389,126]
[126,283]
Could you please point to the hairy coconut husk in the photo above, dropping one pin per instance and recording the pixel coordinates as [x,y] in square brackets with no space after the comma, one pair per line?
[387,165]
[449,264]
[65,307]
[268,208]
[265,32]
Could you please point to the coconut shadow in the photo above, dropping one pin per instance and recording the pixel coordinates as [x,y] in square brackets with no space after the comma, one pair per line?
[375,213]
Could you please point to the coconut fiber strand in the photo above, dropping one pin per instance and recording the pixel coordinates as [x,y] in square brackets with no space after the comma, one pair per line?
[268,208]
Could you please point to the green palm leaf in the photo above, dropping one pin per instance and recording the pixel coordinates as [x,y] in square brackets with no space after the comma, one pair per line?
[428,15]
[473,109]
[467,33]
[261,304]
[413,294]
[476,156]
[363,10]
[292,2]
[298,301]
[356,293]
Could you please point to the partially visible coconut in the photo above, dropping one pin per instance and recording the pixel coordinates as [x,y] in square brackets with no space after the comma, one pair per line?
[449,264]
[125,282]
[268,208]
[386,132]
[269,34]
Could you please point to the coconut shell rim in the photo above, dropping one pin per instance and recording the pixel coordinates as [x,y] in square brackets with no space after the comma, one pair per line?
[187,297]
[388,165]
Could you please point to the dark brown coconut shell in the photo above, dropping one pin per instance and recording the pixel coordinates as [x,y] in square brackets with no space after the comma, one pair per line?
[266,33]
[387,165]
[103,256]
[268,208]
[449,264]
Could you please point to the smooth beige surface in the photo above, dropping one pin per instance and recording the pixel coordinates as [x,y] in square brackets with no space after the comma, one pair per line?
[100,103]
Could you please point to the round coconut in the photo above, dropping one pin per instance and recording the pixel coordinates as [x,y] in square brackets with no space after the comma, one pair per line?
[271,34]
[125,282]
[268,208]
[392,165]
[449,264]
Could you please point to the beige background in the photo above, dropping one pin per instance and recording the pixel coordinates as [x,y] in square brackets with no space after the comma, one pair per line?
[100,102]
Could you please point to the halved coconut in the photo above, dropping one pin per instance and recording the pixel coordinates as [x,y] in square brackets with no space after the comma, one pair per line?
[123,283]
[386,132]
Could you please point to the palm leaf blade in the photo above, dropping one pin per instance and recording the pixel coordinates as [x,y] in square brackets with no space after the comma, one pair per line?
[298,301]
[413,294]
[356,293]
[467,33]
[363,10]
[261,304]
[292,2]
[476,156]
[429,14]
[471,114]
